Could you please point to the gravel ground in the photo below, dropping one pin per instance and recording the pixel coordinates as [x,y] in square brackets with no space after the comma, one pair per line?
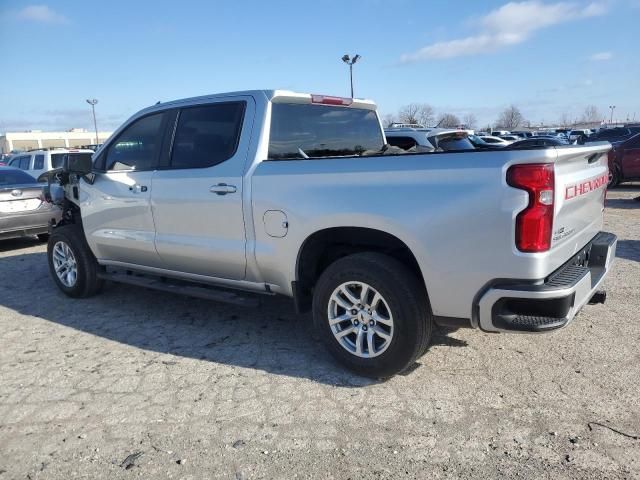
[139,384]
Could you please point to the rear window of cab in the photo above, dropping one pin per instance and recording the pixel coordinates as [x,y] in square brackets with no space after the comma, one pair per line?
[301,131]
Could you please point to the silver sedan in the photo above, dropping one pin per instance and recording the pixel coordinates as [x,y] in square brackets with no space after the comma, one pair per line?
[23,210]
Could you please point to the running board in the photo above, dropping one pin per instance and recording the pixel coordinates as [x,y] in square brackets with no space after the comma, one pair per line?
[179,287]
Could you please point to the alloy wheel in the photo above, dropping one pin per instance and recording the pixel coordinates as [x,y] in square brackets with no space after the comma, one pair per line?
[64,263]
[360,319]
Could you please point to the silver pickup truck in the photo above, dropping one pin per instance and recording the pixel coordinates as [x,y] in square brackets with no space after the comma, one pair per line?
[278,192]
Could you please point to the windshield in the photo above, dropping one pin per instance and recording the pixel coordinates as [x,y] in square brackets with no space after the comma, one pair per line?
[316,131]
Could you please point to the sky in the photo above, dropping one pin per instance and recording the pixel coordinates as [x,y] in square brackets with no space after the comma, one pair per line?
[549,58]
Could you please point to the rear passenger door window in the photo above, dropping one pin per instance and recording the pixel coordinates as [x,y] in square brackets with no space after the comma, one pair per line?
[24,163]
[137,147]
[207,135]
[38,163]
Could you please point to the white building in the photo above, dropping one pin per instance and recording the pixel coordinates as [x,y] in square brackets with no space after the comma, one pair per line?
[33,139]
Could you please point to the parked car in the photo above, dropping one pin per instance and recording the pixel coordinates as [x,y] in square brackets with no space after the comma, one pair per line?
[579,135]
[560,138]
[510,138]
[277,192]
[428,139]
[479,143]
[492,140]
[537,142]
[624,161]
[499,133]
[522,133]
[36,162]
[93,147]
[406,125]
[613,135]
[23,210]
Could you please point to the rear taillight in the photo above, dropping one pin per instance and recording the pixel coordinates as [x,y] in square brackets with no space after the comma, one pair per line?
[327,100]
[535,223]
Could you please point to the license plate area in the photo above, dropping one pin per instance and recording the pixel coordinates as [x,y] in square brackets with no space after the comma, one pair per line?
[16,206]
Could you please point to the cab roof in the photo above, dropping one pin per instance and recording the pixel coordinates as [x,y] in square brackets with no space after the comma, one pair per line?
[275,96]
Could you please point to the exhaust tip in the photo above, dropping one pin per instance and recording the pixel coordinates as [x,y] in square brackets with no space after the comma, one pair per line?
[599,297]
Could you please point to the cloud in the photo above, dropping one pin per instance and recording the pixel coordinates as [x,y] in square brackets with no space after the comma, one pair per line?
[511,24]
[40,14]
[601,56]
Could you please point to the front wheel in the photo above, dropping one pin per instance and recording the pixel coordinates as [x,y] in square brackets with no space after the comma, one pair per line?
[614,178]
[372,313]
[71,263]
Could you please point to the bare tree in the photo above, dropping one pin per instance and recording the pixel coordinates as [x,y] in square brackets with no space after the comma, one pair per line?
[470,120]
[409,113]
[591,114]
[448,120]
[388,119]
[565,119]
[421,113]
[510,118]
[426,115]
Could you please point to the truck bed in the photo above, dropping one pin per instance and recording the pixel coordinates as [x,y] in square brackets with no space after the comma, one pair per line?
[453,210]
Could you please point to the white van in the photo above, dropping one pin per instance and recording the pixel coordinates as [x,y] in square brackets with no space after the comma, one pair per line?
[36,162]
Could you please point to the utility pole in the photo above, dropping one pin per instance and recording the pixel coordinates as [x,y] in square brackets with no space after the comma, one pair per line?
[351,61]
[93,102]
[612,107]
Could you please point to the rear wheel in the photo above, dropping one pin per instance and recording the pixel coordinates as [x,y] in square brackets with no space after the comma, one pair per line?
[372,313]
[71,262]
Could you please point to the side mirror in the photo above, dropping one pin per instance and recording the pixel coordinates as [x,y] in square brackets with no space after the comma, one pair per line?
[78,163]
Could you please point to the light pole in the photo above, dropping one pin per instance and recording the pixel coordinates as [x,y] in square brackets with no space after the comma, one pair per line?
[612,107]
[93,102]
[350,61]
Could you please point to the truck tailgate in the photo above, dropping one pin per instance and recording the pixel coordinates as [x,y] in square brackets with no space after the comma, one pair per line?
[581,176]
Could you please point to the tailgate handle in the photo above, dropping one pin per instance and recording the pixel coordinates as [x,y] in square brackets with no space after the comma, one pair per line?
[594,157]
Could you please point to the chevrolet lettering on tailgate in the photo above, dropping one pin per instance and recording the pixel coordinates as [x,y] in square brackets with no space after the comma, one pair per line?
[585,187]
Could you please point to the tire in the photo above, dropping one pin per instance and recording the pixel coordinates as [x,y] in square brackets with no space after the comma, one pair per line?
[403,313]
[68,242]
[43,237]
[614,178]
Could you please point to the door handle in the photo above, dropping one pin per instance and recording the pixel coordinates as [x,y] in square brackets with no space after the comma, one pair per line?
[138,188]
[223,189]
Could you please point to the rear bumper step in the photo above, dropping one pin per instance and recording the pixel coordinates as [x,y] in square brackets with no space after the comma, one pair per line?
[553,303]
